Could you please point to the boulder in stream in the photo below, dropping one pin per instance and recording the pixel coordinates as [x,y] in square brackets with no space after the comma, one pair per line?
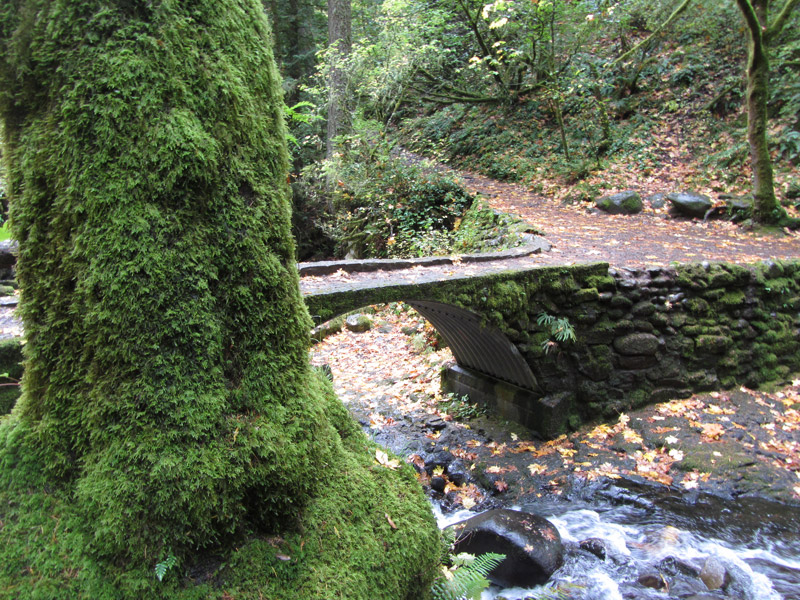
[714,574]
[532,545]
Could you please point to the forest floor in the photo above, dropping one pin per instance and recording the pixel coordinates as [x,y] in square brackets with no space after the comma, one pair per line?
[653,237]
[580,233]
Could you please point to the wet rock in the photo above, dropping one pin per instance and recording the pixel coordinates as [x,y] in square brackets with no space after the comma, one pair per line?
[438,459]
[637,344]
[713,573]
[438,483]
[594,546]
[623,203]
[689,204]
[654,580]
[675,566]
[435,423]
[459,473]
[358,323]
[532,545]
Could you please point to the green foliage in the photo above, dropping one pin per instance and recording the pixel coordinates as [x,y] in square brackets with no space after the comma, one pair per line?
[165,565]
[386,206]
[461,408]
[559,330]
[468,578]
[294,115]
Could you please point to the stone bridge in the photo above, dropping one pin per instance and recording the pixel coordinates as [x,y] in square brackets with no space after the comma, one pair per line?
[642,335]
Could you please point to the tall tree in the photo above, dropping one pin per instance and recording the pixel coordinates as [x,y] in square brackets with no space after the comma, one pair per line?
[299,30]
[340,45]
[168,408]
[760,32]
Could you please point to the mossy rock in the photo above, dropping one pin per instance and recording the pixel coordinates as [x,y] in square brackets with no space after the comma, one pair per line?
[604,283]
[358,323]
[698,306]
[719,458]
[732,299]
[713,344]
[623,203]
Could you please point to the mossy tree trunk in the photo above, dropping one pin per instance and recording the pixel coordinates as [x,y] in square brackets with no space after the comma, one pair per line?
[168,405]
[766,208]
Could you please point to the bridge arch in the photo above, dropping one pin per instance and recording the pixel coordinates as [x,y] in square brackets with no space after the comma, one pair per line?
[485,350]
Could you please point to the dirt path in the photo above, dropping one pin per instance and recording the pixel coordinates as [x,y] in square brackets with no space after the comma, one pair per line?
[649,238]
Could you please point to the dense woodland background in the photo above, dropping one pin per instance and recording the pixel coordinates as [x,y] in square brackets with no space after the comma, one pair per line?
[575,99]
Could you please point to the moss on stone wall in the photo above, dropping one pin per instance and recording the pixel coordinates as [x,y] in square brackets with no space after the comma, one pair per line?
[168,407]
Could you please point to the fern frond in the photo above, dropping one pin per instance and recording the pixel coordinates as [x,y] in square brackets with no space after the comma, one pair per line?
[468,581]
[165,565]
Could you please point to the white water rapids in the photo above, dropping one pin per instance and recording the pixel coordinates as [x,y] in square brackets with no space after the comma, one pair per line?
[762,563]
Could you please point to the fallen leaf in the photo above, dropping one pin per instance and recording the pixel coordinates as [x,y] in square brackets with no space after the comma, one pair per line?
[382,458]
[712,431]
[537,469]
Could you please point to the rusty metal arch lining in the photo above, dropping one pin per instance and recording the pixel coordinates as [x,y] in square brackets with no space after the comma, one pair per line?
[483,349]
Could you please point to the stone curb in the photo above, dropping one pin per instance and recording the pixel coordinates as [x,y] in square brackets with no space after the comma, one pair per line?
[326,267]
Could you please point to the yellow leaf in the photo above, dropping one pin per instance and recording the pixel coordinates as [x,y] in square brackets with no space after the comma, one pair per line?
[382,458]
[536,469]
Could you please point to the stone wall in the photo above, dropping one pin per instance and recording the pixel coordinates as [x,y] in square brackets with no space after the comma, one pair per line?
[643,336]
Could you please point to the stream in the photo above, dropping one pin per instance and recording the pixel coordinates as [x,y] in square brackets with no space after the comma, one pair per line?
[667,537]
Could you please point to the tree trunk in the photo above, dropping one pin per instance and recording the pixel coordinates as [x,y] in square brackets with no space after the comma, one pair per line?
[765,204]
[340,43]
[168,407]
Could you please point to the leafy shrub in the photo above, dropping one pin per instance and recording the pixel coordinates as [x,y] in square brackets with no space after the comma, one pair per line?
[483,227]
[559,329]
[789,145]
[387,206]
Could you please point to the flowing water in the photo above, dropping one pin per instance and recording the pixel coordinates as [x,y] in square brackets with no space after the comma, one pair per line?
[669,536]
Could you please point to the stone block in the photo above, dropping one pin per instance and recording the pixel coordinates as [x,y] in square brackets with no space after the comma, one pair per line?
[547,415]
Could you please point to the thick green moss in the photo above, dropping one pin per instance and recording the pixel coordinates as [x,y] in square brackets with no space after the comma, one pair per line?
[168,406]
[732,299]
[604,283]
